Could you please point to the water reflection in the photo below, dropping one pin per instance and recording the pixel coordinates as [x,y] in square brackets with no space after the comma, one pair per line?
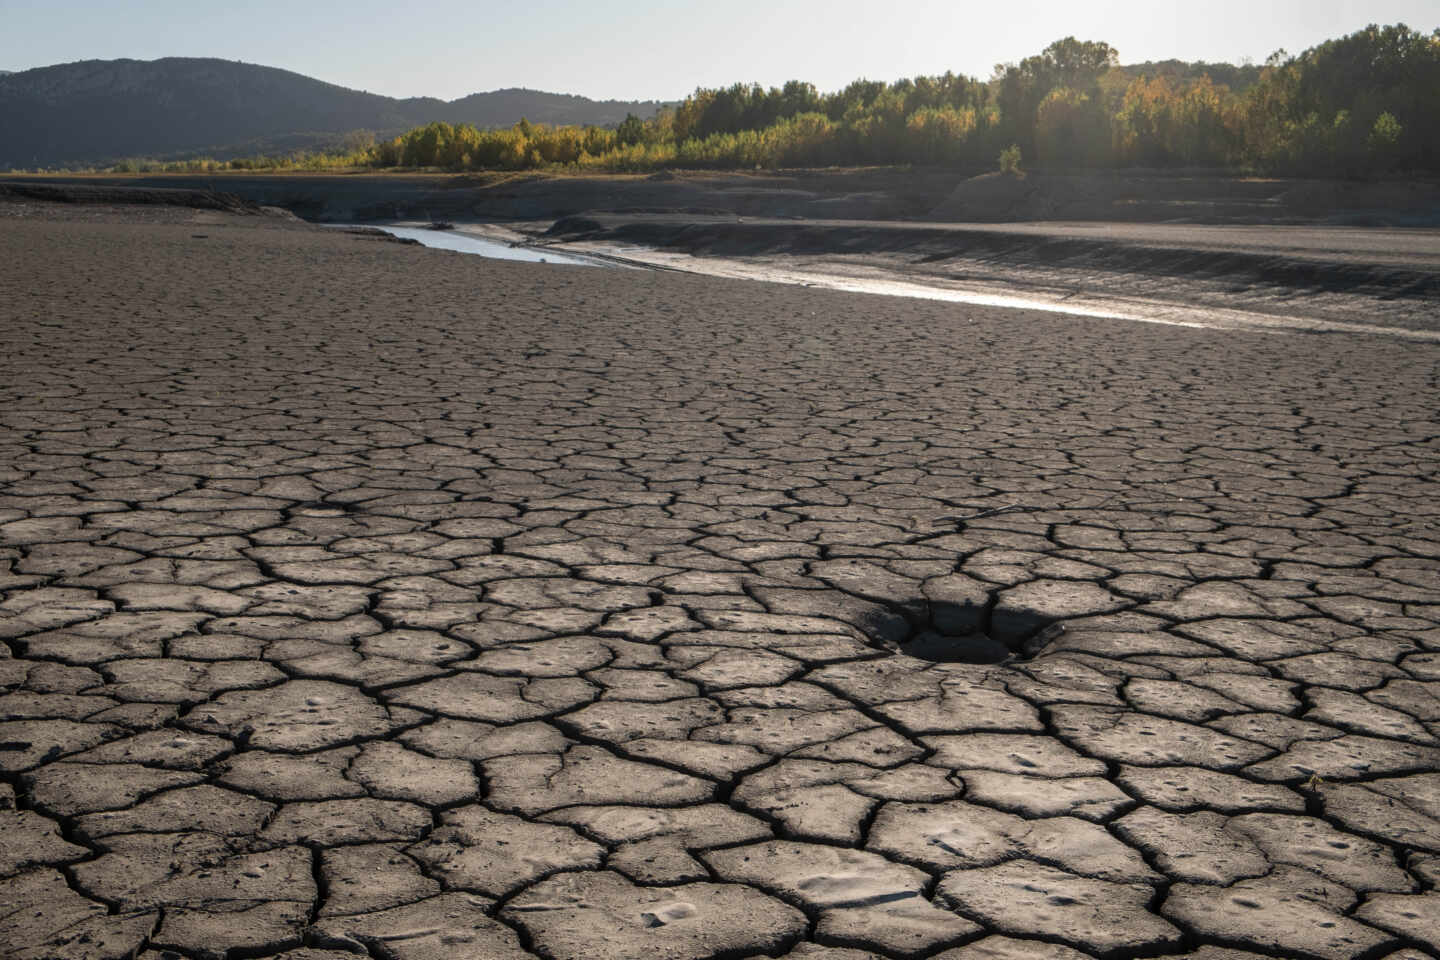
[494,249]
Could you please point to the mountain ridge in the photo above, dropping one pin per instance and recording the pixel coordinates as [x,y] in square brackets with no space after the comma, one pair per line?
[96,111]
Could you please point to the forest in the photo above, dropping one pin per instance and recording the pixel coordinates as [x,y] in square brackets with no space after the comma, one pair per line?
[1362,105]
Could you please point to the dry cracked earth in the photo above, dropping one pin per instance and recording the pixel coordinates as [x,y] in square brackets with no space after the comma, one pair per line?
[358,599]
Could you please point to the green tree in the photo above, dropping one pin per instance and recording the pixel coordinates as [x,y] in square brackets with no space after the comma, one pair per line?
[798,97]
[1071,130]
[1359,104]
[1293,112]
[1385,140]
[1072,64]
[631,130]
[1010,161]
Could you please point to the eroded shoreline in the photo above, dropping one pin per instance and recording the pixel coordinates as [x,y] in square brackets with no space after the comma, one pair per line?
[1268,254]
[1298,292]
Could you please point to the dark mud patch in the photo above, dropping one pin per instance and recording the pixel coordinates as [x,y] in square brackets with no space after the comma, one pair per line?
[960,633]
[144,196]
[375,233]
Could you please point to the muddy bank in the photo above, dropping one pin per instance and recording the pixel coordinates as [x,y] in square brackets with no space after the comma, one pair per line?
[1313,269]
[866,194]
[1151,198]
[88,193]
[846,223]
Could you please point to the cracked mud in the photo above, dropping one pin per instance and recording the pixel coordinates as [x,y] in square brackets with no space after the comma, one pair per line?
[360,599]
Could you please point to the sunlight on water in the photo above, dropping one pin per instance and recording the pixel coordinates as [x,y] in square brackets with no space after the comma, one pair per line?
[495,250]
[860,279]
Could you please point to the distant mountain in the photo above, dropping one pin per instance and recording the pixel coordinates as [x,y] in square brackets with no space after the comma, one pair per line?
[95,111]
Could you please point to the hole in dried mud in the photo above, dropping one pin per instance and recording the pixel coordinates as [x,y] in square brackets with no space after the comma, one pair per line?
[967,648]
[963,633]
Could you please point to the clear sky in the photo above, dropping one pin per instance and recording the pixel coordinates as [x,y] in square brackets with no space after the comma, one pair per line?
[653,49]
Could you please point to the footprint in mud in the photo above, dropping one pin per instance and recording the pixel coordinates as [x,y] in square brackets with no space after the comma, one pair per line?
[668,913]
[320,509]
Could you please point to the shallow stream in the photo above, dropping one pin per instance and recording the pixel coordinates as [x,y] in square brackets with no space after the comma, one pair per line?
[482,246]
[825,273]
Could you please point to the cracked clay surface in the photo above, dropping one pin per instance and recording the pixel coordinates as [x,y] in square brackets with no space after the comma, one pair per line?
[359,599]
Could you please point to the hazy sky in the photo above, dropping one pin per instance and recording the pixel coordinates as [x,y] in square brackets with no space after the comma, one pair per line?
[651,49]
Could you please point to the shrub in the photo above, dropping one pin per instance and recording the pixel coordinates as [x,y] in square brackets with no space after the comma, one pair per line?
[1010,161]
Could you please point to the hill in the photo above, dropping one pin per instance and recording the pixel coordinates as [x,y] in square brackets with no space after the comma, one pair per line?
[94,111]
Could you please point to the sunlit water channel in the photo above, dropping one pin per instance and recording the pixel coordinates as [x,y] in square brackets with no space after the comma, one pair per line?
[481,246]
[872,281]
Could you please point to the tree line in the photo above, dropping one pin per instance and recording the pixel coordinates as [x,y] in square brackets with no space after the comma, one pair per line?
[1359,105]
